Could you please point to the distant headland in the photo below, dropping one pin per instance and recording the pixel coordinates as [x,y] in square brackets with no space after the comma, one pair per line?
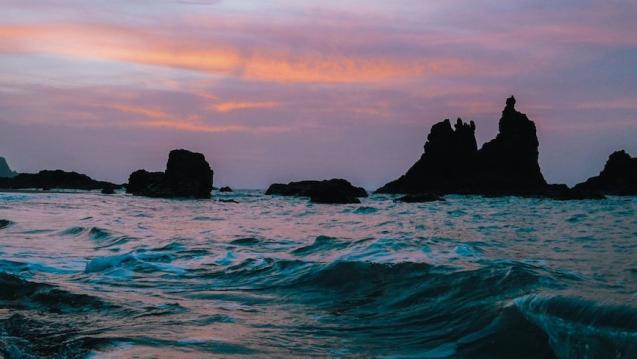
[451,163]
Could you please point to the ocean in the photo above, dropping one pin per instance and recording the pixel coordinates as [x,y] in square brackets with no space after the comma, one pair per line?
[116,276]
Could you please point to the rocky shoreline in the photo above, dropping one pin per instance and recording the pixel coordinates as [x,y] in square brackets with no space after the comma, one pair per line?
[451,163]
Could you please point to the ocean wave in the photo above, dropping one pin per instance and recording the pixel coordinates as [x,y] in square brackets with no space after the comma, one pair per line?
[18,293]
[580,328]
[483,278]
[139,260]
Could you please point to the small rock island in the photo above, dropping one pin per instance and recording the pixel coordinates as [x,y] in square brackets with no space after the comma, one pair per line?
[187,175]
[333,191]
[58,179]
[619,177]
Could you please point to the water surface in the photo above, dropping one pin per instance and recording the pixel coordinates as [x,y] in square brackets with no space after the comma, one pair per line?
[91,275]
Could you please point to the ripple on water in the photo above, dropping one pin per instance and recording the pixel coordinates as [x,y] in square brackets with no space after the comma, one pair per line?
[508,277]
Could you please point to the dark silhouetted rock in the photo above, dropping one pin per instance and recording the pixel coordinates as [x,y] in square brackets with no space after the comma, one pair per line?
[188,174]
[225,189]
[54,179]
[509,163]
[619,177]
[5,171]
[336,191]
[446,163]
[228,201]
[563,193]
[452,163]
[144,183]
[420,198]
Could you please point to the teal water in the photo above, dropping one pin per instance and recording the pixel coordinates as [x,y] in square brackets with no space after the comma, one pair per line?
[91,275]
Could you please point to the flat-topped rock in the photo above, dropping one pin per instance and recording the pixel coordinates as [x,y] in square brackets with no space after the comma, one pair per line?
[187,174]
[59,179]
[336,191]
[619,177]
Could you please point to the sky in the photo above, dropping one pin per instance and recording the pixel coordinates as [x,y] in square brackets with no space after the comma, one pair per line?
[281,90]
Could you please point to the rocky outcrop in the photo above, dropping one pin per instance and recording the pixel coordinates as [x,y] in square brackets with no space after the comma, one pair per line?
[420,198]
[54,179]
[225,189]
[509,163]
[5,171]
[187,174]
[619,177]
[446,163]
[452,163]
[335,191]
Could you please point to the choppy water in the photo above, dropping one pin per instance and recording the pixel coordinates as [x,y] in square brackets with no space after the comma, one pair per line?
[119,276]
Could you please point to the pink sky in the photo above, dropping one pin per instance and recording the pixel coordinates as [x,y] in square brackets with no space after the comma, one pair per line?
[282,90]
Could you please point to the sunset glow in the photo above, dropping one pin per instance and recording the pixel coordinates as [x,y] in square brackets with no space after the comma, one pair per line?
[351,85]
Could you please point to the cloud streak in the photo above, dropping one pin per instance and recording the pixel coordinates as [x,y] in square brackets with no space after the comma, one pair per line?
[307,82]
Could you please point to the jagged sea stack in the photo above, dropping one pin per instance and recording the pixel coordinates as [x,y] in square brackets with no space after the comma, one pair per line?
[619,177]
[509,163]
[452,163]
[187,174]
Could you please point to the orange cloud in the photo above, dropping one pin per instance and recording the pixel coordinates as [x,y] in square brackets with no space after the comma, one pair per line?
[139,110]
[154,117]
[186,125]
[136,46]
[232,106]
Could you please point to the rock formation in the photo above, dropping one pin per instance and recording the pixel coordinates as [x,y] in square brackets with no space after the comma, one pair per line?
[452,163]
[619,177]
[225,189]
[336,191]
[446,163]
[5,171]
[562,192]
[187,174]
[54,179]
[509,163]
